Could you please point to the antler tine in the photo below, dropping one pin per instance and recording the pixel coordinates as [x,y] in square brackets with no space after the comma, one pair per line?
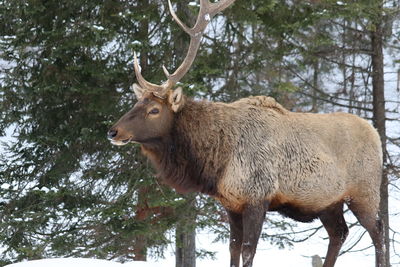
[165,71]
[143,83]
[206,13]
[180,23]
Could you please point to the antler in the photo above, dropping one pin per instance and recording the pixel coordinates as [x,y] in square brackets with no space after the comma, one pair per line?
[207,12]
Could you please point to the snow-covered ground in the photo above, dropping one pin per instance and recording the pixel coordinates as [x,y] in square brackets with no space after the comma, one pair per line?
[76,262]
[299,255]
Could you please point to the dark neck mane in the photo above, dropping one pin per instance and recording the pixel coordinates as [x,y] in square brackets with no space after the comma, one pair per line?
[194,156]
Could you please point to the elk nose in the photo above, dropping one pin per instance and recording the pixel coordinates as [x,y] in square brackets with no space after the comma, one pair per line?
[111,134]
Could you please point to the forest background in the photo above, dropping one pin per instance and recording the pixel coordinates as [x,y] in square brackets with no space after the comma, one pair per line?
[66,70]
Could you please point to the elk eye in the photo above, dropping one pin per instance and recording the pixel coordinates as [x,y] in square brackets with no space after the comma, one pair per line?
[154,111]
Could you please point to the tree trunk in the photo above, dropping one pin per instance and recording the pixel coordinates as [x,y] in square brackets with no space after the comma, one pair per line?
[140,240]
[185,255]
[143,33]
[314,102]
[379,117]
[185,235]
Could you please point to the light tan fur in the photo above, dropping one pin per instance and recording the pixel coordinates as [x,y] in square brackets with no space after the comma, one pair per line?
[309,160]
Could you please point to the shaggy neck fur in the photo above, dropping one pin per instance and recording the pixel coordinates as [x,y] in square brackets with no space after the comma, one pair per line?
[195,154]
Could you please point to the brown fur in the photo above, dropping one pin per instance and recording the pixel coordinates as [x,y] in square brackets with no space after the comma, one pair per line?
[192,163]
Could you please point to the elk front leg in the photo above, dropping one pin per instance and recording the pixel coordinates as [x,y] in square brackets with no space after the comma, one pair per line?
[253,218]
[236,237]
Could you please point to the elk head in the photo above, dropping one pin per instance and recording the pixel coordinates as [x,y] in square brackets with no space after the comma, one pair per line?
[153,115]
[151,118]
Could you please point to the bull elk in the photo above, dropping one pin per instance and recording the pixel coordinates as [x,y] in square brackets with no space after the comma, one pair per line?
[255,156]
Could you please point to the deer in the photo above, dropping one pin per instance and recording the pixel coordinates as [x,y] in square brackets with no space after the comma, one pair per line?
[254,156]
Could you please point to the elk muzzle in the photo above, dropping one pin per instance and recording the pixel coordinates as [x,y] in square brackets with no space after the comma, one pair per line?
[116,138]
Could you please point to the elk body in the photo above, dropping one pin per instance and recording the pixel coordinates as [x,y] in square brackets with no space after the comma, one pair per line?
[255,156]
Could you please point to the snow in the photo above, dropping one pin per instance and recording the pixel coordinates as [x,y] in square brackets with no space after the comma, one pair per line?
[5,186]
[98,27]
[80,262]
[193,4]
[300,255]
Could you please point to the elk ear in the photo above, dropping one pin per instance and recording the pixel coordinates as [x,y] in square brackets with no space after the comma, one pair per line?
[139,91]
[176,99]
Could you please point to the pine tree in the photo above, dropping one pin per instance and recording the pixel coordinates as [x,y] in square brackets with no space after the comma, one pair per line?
[67,78]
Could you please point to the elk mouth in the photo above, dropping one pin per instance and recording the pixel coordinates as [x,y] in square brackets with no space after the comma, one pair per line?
[121,142]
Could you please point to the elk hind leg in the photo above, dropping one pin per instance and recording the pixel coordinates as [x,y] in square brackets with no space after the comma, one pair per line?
[369,218]
[334,223]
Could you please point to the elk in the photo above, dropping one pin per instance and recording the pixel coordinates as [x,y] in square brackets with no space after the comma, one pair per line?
[255,156]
